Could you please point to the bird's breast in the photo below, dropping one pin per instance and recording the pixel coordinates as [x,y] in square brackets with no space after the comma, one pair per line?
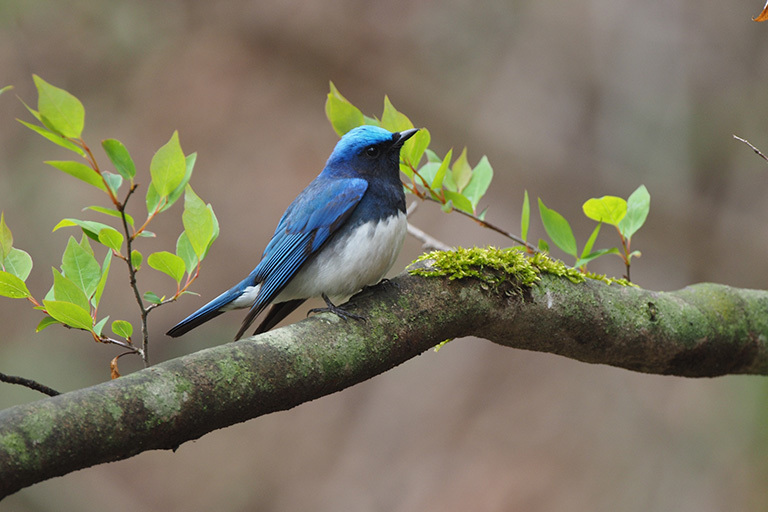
[350,260]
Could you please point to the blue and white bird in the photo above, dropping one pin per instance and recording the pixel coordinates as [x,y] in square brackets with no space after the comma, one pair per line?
[341,233]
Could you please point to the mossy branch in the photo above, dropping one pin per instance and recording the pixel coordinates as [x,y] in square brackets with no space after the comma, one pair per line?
[701,331]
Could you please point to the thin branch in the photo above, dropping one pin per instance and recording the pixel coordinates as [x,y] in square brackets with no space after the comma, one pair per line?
[29,383]
[428,241]
[745,141]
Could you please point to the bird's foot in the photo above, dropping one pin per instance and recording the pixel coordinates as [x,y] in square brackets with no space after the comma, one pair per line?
[336,310]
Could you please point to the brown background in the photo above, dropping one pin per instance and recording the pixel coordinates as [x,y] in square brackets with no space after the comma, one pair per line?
[569,100]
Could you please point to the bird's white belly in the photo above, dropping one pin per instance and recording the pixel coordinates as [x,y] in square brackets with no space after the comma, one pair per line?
[342,268]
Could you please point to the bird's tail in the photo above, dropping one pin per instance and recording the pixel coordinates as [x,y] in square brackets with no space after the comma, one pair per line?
[211,310]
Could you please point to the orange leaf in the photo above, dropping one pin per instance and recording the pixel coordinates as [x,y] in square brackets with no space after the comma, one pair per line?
[763,15]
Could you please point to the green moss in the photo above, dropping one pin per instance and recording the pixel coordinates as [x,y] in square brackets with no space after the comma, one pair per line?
[14,445]
[495,266]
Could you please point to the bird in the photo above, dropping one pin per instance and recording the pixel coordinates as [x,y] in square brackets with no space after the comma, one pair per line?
[342,233]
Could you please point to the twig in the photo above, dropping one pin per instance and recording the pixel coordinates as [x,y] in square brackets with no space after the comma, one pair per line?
[745,141]
[29,383]
[428,241]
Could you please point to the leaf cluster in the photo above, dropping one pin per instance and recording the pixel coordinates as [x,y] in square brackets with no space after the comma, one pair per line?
[78,286]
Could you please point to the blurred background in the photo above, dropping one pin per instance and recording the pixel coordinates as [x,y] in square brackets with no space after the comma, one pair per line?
[568,100]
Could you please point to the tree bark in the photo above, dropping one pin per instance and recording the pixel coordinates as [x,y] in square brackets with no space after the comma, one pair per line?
[703,330]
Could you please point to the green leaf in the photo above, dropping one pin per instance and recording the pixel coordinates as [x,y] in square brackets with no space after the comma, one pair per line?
[152,298]
[415,147]
[114,181]
[593,255]
[459,201]
[461,172]
[525,218]
[136,259]
[102,280]
[543,246]
[13,287]
[558,229]
[111,212]
[120,158]
[198,222]
[112,238]
[59,110]
[18,263]
[447,206]
[394,120]
[6,238]
[478,184]
[437,181]
[185,251]
[47,321]
[64,289]
[99,327]
[122,328]
[167,263]
[153,197]
[6,88]
[81,267]
[69,314]
[168,166]
[432,156]
[591,241]
[53,137]
[638,206]
[341,113]
[608,209]
[90,228]
[79,171]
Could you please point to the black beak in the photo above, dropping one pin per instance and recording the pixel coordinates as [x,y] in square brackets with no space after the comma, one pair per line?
[401,137]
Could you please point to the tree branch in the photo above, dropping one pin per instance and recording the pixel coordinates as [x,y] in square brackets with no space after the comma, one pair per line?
[701,331]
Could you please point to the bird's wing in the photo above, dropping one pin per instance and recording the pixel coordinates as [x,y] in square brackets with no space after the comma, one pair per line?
[307,224]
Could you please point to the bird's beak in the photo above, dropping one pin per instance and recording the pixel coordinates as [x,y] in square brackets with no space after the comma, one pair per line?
[405,135]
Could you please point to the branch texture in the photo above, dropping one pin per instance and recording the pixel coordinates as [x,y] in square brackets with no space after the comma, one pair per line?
[701,331]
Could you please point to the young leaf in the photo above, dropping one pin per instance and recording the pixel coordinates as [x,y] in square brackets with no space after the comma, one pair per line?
[102,280]
[67,291]
[18,263]
[591,242]
[6,238]
[459,201]
[594,255]
[437,182]
[167,263]
[99,327]
[168,166]
[59,111]
[178,191]
[558,229]
[120,158]
[53,137]
[638,205]
[394,120]
[478,184]
[81,267]
[198,222]
[111,212]
[341,113]
[415,147]
[152,298]
[114,181]
[136,259]
[6,88]
[461,171]
[525,218]
[112,238]
[79,171]
[46,322]
[122,328]
[186,253]
[69,314]
[13,287]
[608,209]
[89,227]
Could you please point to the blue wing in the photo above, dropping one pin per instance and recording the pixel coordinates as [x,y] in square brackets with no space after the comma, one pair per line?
[305,226]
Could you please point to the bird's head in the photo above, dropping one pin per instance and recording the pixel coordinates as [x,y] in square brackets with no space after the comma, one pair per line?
[369,151]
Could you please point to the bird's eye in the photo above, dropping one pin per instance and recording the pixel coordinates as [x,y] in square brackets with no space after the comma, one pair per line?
[372,151]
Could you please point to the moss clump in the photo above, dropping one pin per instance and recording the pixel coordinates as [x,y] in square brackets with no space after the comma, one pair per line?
[495,266]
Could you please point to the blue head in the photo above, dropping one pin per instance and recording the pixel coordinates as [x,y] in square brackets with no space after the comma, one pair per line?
[368,152]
